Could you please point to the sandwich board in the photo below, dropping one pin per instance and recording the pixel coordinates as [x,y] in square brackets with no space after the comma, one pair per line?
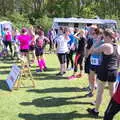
[13,76]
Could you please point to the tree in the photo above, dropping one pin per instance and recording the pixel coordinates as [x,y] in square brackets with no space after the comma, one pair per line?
[35,9]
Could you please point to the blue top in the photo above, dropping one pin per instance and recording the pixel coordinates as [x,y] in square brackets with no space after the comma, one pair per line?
[96,58]
[99,44]
[72,39]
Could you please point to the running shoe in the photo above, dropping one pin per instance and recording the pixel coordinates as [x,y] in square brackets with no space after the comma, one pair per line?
[90,94]
[45,69]
[72,77]
[87,89]
[64,73]
[93,112]
[69,69]
[38,70]
[78,75]
[59,74]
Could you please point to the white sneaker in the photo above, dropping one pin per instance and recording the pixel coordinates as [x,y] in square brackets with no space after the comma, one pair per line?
[69,69]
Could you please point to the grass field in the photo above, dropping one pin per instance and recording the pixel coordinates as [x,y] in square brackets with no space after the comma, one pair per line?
[53,98]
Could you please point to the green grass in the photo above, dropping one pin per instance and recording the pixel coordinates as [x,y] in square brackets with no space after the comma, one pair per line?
[53,98]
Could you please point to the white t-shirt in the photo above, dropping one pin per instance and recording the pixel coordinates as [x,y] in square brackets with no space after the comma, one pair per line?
[62,46]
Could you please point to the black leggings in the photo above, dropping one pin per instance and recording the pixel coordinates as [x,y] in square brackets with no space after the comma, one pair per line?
[78,60]
[70,58]
[112,109]
[8,43]
[51,44]
[62,58]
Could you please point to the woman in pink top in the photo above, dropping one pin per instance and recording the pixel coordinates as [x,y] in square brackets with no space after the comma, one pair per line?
[8,40]
[24,40]
[39,48]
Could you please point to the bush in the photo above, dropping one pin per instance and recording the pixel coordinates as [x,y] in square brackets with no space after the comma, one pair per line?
[4,18]
[19,20]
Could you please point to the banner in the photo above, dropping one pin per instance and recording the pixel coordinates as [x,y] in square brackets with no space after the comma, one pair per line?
[13,76]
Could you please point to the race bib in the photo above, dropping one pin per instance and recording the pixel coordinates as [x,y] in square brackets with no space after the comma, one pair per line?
[95,60]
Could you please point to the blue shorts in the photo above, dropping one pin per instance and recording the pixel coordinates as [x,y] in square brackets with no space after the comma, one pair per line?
[38,51]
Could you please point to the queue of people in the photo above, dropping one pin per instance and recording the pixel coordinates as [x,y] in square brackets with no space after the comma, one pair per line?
[100,52]
[96,53]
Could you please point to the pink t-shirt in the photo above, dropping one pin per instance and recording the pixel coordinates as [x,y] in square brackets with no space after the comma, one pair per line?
[40,41]
[8,36]
[24,41]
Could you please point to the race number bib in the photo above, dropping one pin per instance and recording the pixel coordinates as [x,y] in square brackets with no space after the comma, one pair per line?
[95,60]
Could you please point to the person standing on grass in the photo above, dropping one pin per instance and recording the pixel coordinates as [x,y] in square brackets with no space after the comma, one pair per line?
[107,71]
[3,37]
[114,105]
[71,46]
[16,33]
[89,43]
[24,40]
[95,59]
[8,40]
[51,35]
[80,36]
[39,50]
[31,32]
[62,49]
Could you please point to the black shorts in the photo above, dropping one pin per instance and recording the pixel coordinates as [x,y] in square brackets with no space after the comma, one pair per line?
[62,57]
[94,68]
[38,51]
[87,65]
[24,50]
[107,75]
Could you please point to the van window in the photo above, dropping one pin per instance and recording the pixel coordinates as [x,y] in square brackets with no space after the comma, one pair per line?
[76,25]
[63,24]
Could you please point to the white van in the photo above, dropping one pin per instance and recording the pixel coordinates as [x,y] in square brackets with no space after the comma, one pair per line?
[80,22]
[5,24]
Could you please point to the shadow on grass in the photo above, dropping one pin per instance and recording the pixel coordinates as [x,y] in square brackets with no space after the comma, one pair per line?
[56,116]
[4,67]
[51,77]
[57,90]
[4,72]
[47,76]
[48,69]
[8,60]
[42,73]
[3,85]
[54,102]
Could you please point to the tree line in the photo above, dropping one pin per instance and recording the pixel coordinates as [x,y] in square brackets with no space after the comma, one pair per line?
[33,10]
